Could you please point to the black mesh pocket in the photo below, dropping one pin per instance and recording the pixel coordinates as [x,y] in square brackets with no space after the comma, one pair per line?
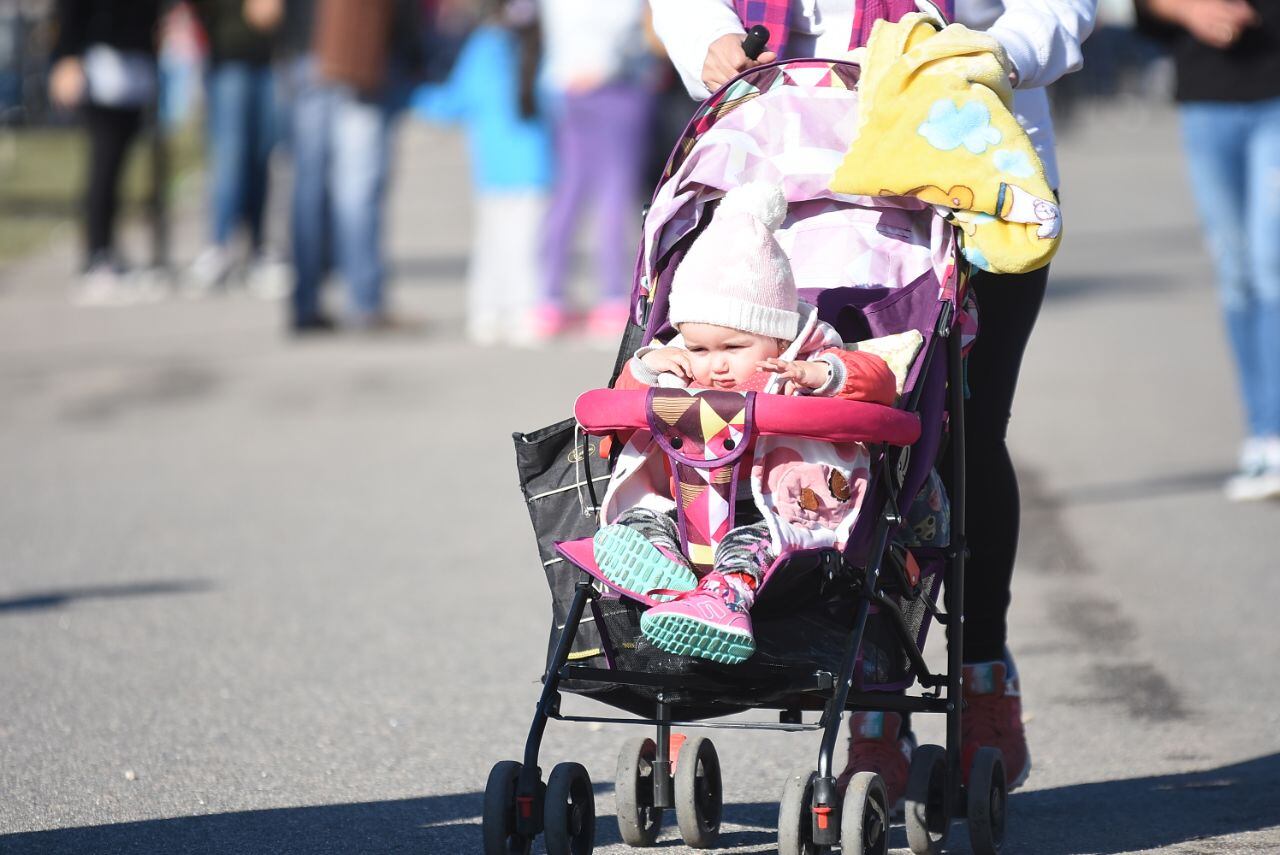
[563,479]
[883,664]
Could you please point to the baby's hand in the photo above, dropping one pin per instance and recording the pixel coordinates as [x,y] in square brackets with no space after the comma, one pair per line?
[799,375]
[669,360]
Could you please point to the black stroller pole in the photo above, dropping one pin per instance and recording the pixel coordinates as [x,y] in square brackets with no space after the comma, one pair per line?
[954,591]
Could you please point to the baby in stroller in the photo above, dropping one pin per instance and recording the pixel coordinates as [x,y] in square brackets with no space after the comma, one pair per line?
[740,327]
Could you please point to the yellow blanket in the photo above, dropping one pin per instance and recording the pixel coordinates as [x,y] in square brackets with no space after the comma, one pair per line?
[935,122]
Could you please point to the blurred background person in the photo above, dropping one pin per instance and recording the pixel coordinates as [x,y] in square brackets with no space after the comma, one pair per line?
[104,64]
[1227,57]
[241,132]
[349,58]
[492,92]
[180,63]
[597,69]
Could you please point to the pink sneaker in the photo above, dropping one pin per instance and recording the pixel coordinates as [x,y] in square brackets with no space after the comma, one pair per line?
[547,321]
[710,622]
[608,320]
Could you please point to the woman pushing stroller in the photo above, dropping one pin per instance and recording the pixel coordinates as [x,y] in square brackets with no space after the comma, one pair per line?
[1041,40]
[741,327]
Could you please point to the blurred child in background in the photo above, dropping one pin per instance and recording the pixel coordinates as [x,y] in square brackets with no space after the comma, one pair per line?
[598,70]
[491,92]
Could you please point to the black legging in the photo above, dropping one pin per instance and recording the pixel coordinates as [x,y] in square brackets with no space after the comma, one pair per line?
[110,132]
[1007,310]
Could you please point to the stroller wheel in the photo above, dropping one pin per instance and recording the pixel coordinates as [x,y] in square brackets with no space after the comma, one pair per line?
[795,817]
[864,818]
[498,822]
[569,816]
[699,797]
[987,800]
[638,820]
[926,802]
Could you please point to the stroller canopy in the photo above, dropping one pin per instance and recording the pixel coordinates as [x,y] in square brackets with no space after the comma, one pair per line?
[790,124]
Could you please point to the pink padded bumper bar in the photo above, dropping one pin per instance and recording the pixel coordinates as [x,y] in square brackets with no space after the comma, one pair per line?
[603,411]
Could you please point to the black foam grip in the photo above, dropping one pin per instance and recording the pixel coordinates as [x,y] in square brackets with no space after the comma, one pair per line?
[756,41]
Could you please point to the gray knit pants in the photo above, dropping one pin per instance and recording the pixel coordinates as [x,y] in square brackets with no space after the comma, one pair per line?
[745,549]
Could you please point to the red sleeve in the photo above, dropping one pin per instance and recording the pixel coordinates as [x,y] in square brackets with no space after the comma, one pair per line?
[867,377]
[627,380]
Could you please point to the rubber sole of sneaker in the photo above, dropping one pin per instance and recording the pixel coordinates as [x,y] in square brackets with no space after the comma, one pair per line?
[1022,776]
[630,562]
[687,636]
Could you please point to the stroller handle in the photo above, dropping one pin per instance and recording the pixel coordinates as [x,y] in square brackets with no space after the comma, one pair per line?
[602,411]
[754,44]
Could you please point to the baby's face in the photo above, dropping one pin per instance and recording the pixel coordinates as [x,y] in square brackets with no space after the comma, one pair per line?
[724,358]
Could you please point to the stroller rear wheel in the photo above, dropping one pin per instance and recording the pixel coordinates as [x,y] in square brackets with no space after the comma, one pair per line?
[926,802]
[987,799]
[864,818]
[639,822]
[699,794]
[569,816]
[498,822]
[795,815]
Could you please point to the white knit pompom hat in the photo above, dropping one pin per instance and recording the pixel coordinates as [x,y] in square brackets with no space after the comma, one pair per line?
[735,274]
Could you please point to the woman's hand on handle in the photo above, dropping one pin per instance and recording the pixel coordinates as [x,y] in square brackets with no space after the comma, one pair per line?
[726,59]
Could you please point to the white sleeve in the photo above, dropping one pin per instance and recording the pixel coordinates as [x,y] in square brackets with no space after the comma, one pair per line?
[1043,37]
[687,28]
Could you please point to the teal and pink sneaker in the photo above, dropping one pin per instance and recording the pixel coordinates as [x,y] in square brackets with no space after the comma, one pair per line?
[635,565]
[710,622]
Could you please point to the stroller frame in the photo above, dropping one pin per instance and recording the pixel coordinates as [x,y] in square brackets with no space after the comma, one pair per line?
[519,805]
[832,693]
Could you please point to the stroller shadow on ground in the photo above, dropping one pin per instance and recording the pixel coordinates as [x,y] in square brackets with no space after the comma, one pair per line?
[1102,817]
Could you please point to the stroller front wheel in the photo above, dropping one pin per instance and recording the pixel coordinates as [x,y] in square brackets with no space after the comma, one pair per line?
[987,799]
[795,815]
[926,802]
[498,821]
[569,816]
[639,822]
[699,794]
[864,818]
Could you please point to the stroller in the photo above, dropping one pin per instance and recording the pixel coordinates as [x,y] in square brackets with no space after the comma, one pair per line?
[836,630]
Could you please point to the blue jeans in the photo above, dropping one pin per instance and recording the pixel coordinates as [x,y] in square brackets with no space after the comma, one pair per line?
[242,132]
[1233,152]
[340,153]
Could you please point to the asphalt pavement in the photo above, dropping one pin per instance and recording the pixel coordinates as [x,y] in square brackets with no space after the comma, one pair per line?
[279,596]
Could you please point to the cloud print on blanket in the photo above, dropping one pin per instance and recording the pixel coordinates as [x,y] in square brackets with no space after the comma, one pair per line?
[950,127]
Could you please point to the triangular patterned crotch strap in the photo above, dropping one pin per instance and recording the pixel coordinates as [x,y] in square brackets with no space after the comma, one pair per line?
[704,434]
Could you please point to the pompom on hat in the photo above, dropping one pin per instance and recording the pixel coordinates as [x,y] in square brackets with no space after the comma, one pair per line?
[736,275]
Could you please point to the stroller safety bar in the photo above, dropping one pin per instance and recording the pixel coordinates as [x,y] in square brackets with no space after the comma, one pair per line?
[601,411]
